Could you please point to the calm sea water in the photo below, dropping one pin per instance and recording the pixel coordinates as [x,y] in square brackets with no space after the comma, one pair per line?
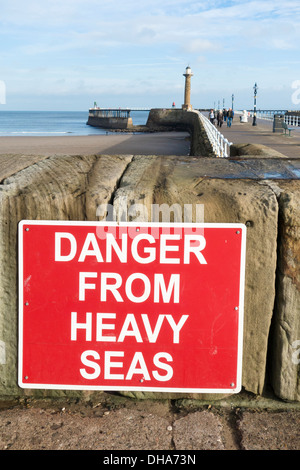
[47,123]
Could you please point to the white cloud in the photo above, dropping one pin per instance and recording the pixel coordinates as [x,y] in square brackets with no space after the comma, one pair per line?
[81,46]
[115,23]
[200,45]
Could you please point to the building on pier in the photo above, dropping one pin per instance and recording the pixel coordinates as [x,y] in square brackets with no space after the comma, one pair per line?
[109,118]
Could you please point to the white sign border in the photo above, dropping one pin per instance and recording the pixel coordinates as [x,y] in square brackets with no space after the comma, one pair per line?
[235,389]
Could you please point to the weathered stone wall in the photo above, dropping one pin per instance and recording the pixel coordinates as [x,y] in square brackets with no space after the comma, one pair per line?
[75,187]
[178,119]
[285,347]
[236,190]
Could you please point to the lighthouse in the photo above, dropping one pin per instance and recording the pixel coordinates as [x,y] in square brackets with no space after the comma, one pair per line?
[187,90]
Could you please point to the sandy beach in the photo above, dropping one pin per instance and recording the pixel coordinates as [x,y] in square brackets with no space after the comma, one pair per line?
[160,143]
[17,152]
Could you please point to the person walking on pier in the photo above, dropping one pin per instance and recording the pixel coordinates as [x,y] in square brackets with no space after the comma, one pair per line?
[230,115]
[212,116]
[220,118]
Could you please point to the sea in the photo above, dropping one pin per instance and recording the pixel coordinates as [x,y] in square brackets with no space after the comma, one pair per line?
[54,123]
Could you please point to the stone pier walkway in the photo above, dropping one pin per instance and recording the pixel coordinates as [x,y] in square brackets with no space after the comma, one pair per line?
[262,134]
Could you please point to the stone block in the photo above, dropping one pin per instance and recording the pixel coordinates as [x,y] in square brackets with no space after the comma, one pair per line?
[201,430]
[269,431]
[103,180]
[285,344]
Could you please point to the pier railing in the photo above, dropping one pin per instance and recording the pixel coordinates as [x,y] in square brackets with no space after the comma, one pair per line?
[109,112]
[292,120]
[289,119]
[268,116]
[220,145]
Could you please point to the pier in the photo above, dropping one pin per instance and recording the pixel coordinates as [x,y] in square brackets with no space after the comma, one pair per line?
[262,135]
[111,118]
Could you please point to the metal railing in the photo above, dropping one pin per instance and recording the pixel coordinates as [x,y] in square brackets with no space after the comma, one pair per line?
[220,145]
[292,120]
[268,116]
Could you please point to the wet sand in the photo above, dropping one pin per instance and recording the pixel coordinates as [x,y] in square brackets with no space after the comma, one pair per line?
[160,143]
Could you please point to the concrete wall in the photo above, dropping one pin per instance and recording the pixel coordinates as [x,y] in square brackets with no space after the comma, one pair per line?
[73,187]
[110,122]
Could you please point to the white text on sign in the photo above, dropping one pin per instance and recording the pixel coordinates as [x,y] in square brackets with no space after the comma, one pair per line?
[101,326]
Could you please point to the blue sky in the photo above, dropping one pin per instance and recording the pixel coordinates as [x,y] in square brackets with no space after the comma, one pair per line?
[66,54]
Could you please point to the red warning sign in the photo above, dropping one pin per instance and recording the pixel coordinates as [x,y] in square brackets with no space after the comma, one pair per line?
[149,307]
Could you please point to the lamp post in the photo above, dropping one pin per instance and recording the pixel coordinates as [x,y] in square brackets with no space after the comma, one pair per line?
[232,101]
[255,88]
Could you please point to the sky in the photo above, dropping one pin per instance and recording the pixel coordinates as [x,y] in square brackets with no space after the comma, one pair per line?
[66,54]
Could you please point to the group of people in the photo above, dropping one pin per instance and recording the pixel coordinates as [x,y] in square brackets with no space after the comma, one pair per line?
[221,116]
